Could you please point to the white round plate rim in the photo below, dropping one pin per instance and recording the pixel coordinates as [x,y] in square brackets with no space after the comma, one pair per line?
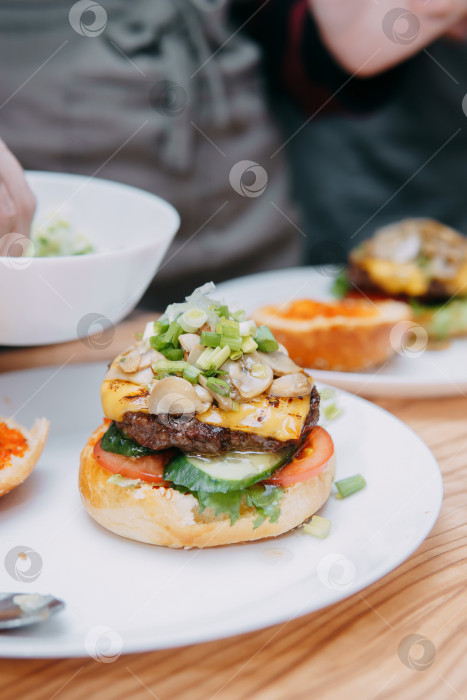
[366,384]
[274,609]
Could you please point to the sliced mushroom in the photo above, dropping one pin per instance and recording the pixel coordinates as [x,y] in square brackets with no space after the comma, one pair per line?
[279,363]
[204,396]
[130,361]
[143,377]
[196,351]
[150,357]
[224,402]
[250,376]
[173,395]
[188,341]
[290,385]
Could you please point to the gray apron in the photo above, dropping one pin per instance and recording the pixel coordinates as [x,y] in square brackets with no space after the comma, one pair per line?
[160,96]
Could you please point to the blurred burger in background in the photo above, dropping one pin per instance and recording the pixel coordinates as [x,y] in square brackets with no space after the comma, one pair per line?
[419,261]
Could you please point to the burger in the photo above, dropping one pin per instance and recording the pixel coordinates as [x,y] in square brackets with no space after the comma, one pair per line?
[210,434]
[419,261]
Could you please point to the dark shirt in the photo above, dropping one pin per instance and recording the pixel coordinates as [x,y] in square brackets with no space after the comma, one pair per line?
[365,152]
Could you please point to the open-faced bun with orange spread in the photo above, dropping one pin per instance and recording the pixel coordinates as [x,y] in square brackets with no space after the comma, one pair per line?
[345,336]
[19,451]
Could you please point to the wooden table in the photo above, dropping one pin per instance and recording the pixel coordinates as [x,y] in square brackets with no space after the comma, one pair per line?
[349,650]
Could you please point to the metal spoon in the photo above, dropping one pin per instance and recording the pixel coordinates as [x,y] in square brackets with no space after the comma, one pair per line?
[21,609]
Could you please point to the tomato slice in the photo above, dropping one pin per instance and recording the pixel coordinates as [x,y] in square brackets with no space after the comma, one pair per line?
[149,468]
[310,461]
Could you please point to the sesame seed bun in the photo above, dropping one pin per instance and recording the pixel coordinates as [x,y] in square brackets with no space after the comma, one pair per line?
[164,516]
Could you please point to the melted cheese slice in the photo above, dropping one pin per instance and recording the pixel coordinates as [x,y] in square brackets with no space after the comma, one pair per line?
[397,278]
[119,396]
[281,418]
[409,278]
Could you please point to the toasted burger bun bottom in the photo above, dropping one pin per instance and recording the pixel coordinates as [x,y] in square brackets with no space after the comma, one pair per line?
[19,468]
[167,517]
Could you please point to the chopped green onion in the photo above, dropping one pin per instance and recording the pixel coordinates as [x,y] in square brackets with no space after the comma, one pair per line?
[172,353]
[169,366]
[222,311]
[191,374]
[210,340]
[171,332]
[219,357]
[192,319]
[230,332]
[178,332]
[153,328]
[228,327]
[204,360]
[249,345]
[233,343]
[235,406]
[318,527]
[346,487]
[214,372]
[160,327]
[158,342]
[218,385]
[236,354]
[332,411]
[247,328]
[327,393]
[239,315]
[265,340]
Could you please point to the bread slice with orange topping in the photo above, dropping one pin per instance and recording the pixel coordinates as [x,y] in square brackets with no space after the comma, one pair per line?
[20,450]
[345,336]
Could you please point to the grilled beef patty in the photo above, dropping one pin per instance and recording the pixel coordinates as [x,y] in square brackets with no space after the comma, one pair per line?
[159,432]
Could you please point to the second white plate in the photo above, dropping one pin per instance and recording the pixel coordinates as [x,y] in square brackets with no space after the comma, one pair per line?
[426,373]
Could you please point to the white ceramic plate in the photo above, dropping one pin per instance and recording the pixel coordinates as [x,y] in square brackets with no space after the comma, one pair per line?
[415,373]
[126,596]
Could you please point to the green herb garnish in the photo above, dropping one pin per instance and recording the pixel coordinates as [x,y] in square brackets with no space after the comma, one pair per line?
[114,441]
[265,340]
[352,484]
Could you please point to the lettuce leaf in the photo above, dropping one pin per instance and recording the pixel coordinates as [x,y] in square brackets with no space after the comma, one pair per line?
[114,441]
[125,482]
[265,499]
[221,503]
[341,285]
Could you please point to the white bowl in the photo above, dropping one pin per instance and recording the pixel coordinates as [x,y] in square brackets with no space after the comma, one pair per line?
[51,300]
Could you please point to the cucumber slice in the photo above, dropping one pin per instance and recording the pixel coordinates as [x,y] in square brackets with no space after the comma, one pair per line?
[231,471]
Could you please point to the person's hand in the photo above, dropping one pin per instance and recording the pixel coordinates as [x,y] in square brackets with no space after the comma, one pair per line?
[438,8]
[17,202]
[368,37]
[458,32]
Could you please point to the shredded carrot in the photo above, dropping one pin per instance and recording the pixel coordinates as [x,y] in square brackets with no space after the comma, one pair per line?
[307,309]
[12,444]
